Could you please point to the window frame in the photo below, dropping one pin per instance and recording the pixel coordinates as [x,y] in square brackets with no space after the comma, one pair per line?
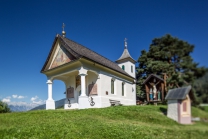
[112,86]
[123,89]
[123,67]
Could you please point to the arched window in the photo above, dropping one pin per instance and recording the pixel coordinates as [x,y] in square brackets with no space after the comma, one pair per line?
[131,69]
[123,67]
[112,86]
[122,88]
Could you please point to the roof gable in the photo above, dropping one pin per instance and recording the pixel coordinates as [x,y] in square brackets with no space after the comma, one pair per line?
[153,76]
[178,93]
[62,57]
[58,56]
[79,51]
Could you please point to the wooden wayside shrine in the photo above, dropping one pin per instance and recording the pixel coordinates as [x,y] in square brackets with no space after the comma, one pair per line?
[155,88]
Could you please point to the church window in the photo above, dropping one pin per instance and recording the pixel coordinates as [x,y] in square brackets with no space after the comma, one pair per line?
[112,86]
[123,67]
[131,69]
[122,88]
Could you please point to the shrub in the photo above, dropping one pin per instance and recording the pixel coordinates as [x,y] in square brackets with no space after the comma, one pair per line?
[4,108]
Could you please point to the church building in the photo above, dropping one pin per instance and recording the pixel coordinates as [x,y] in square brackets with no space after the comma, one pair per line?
[91,80]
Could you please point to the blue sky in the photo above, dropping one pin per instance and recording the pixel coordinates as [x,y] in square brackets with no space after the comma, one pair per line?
[28,28]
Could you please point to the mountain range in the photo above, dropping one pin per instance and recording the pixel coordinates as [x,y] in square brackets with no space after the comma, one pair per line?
[23,106]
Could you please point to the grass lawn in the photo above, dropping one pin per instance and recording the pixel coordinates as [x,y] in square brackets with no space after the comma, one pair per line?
[206,108]
[139,122]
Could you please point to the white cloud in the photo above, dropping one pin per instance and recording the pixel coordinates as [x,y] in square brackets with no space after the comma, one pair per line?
[19,97]
[6,100]
[14,96]
[39,102]
[34,98]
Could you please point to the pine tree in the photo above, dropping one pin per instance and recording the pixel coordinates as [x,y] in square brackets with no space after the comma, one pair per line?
[168,56]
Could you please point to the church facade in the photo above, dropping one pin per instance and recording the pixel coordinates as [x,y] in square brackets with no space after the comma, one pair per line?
[91,80]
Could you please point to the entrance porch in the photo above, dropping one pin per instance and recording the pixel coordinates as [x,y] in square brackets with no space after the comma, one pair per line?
[81,87]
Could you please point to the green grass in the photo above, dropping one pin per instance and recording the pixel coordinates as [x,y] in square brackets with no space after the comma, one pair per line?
[206,108]
[114,122]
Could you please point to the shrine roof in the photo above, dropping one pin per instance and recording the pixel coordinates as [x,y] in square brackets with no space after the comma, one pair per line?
[178,93]
[80,51]
[153,75]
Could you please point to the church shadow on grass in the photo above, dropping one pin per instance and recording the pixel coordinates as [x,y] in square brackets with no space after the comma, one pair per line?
[163,110]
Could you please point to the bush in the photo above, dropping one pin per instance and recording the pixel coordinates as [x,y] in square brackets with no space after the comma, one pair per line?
[4,108]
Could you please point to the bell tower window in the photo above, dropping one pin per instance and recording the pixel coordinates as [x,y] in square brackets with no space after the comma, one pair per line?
[123,67]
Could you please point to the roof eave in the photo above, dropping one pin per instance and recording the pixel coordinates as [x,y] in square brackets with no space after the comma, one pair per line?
[109,67]
[152,75]
[46,62]
[126,59]
[71,62]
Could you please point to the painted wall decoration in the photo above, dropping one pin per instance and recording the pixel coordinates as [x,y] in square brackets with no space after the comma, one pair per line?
[62,57]
[70,92]
[92,89]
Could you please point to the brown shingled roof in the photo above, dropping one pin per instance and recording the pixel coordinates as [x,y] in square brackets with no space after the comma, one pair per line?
[153,75]
[79,51]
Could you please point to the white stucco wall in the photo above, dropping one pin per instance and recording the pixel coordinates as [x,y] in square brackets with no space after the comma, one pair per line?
[103,80]
[128,65]
[173,109]
[129,97]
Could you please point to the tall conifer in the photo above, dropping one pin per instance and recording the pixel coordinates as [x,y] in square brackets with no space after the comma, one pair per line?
[168,56]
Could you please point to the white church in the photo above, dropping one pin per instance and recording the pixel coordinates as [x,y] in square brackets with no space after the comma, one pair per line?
[91,80]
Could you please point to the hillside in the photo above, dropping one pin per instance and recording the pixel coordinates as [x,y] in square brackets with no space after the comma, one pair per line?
[113,122]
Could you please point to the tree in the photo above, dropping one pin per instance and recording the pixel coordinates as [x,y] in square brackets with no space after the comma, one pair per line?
[4,108]
[201,88]
[168,56]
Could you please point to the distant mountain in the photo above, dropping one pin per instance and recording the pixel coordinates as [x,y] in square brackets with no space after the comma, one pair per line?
[21,106]
[58,104]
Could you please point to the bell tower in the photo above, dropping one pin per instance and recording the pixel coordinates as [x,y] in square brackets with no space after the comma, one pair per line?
[126,62]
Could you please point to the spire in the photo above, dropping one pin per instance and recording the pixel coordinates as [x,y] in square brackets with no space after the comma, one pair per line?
[63,32]
[125,56]
[125,43]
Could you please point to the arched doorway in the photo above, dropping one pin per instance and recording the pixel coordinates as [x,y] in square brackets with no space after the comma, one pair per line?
[59,90]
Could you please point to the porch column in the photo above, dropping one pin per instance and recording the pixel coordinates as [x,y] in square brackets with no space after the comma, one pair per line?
[83,90]
[83,98]
[50,104]
[83,73]
[49,89]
